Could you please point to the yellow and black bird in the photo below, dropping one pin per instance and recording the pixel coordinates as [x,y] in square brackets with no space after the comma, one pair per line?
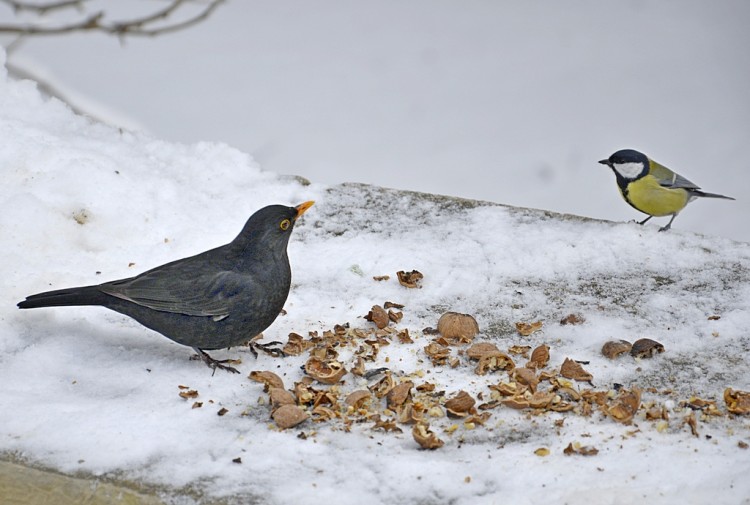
[652,188]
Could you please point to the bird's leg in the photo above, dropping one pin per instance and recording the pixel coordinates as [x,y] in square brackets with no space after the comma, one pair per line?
[268,348]
[214,363]
[669,224]
[644,221]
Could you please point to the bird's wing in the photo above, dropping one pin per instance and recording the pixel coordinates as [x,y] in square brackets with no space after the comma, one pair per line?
[669,179]
[192,294]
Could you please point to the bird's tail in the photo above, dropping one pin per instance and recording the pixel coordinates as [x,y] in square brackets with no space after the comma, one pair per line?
[710,195]
[86,295]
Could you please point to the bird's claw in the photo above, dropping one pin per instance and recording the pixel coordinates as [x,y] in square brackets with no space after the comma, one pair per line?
[214,363]
[267,348]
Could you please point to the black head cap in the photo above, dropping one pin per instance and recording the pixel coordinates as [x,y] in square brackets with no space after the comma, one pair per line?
[628,164]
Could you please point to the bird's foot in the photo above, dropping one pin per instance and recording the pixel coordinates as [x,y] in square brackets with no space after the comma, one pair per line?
[268,348]
[665,228]
[214,363]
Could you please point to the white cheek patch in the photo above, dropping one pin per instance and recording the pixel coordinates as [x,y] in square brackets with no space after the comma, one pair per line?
[628,170]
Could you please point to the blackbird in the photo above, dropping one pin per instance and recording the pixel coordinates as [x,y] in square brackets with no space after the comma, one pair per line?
[216,299]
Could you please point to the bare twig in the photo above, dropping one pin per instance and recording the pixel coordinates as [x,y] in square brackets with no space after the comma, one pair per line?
[96,23]
[42,9]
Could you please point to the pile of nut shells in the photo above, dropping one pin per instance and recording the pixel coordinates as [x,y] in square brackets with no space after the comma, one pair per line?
[347,381]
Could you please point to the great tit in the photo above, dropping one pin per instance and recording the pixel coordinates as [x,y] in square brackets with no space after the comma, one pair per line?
[652,188]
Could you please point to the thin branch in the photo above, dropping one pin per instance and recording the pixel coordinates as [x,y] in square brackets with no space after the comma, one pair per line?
[95,22]
[42,9]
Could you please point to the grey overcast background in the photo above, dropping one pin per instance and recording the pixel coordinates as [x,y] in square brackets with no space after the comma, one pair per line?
[513,102]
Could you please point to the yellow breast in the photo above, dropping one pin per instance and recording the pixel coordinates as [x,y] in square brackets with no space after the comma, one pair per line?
[649,197]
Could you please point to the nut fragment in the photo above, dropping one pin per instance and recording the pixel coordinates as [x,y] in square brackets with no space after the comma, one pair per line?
[296,345]
[383,386]
[625,406]
[288,416]
[539,357]
[399,394]
[378,315]
[526,329]
[522,350]
[692,423]
[582,450]
[409,279]
[461,327]
[516,402]
[527,377]
[411,413]
[614,348]
[460,405]
[425,437]
[304,393]
[494,361]
[476,351]
[321,413]
[738,402]
[646,348]
[541,399]
[572,319]
[270,379]
[326,372]
[358,399]
[280,396]
[573,370]
[437,353]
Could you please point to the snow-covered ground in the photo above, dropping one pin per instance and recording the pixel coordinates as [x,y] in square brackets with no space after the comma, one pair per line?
[89,391]
[511,102]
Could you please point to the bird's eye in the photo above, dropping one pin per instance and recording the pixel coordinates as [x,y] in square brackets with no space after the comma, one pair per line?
[284,225]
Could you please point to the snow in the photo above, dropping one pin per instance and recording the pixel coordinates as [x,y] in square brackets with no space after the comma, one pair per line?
[88,391]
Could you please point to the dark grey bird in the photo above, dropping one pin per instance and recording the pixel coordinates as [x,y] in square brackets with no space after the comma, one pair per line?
[213,300]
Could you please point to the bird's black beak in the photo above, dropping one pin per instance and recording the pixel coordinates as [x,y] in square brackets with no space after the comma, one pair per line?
[606,162]
[301,208]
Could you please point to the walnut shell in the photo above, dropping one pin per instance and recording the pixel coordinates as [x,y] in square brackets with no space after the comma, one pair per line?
[358,399]
[625,406]
[460,405]
[425,437]
[296,345]
[494,361]
[270,379]
[541,399]
[515,402]
[379,316]
[409,279]
[288,416]
[479,349]
[325,372]
[383,386]
[453,325]
[321,413]
[525,329]
[738,402]
[304,393]
[573,370]
[509,388]
[646,348]
[411,413]
[398,395]
[614,348]
[539,357]
[280,396]
[437,353]
[527,377]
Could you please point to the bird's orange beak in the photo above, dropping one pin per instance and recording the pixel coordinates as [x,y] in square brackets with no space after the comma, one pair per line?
[301,208]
